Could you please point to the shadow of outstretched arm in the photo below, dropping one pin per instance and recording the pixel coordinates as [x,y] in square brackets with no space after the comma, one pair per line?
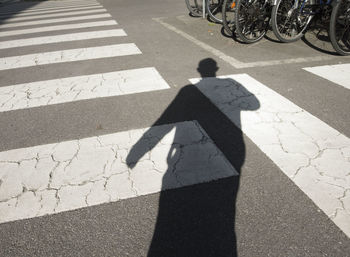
[145,144]
[197,219]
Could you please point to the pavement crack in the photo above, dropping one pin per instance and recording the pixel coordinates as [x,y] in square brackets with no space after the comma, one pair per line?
[52,171]
[87,195]
[174,167]
[58,200]
[100,142]
[74,156]
[8,100]
[41,205]
[132,183]
[105,188]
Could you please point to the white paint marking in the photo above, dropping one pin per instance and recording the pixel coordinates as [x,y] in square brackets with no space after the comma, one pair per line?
[47,4]
[52,15]
[71,55]
[52,178]
[203,45]
[339,74]
[234,62]
[14,15]
[61,2]
[313,155]
[56,91]
[38,22]
[31,11]
[285,61]
[44,4]
[62,38]
[58,28]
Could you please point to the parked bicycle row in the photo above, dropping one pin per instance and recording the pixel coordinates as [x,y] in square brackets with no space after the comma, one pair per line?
[288,19]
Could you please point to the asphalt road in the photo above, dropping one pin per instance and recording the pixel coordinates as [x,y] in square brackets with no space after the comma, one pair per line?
[261,212]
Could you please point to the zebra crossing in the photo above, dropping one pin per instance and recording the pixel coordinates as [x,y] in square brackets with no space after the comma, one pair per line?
[33,11]
[338,74]
[312,154]
[54,20]
[70,55]
[58,28]
[34,202]
[60,38]
[62,176]
[32,15]
[10,18]
[64,90]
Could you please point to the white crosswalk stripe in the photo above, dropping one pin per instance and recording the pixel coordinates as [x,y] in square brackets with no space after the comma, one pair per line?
[64,90]
[62,38]
[311,153]
[74,174]
[69,89]
[43,4]
[31,11]
[55,15]
[71,55]
[58,28]
[339,74]
[63,2]
[24,14]
[38,22]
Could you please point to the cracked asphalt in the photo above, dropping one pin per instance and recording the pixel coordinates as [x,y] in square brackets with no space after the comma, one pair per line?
[230,160]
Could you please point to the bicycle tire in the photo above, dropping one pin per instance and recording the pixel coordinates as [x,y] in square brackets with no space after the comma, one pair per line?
[252,19]
[281,12]
[214,8]
[195,7]
[228,16]
[339,27]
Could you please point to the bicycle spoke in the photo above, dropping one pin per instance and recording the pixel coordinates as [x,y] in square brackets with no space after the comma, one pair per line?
[253,20]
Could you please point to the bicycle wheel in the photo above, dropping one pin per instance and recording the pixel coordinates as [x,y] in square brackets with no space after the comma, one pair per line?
[339,31]
[195,7]
[252,19]
[228,16]
[290,19]
[214,8]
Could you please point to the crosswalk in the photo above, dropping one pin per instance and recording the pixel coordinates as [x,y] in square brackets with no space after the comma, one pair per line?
[41,15]
[312,154]
[33,15]
[54,20]
[28,7]
[71,55]
[62,38]
[64,90]
[61,176]
[338,74]
[58,28]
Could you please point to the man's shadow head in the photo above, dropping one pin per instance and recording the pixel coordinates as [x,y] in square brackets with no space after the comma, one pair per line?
[207,68]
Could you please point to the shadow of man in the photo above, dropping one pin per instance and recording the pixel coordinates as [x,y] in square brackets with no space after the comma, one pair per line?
[198,153]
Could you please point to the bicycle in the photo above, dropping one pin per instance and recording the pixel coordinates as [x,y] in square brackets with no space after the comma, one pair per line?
[195,7]
[252,19]
[290,19]
[214,9]
[339,31]
[228,16]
